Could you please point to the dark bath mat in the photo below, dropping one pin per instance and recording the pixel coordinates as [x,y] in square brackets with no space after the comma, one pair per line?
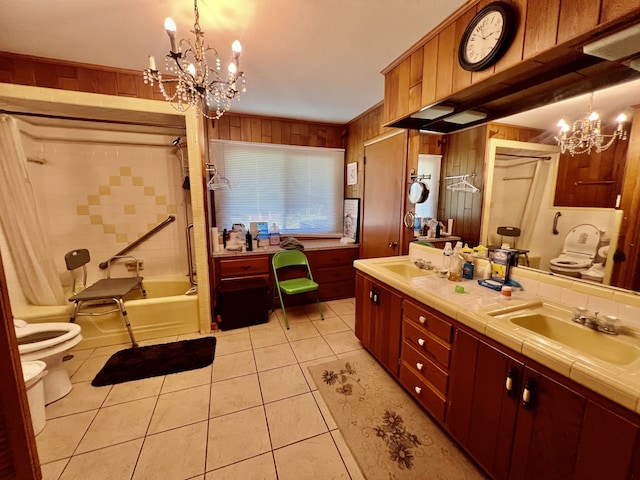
[155,360]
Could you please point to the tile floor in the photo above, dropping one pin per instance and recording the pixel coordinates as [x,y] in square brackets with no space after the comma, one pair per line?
[253,414]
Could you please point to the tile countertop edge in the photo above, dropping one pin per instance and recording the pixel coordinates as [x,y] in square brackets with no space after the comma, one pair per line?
[612,387]
[309,246]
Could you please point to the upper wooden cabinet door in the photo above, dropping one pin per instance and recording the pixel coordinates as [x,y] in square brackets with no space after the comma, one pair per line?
[396,91]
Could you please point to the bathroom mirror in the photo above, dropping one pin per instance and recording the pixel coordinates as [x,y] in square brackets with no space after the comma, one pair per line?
[520,183]
[520,194]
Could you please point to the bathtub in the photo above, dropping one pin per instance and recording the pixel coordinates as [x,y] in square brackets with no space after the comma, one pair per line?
[166,312]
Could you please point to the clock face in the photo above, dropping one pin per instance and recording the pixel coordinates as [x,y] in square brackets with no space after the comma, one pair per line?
[487,36]
[484,37]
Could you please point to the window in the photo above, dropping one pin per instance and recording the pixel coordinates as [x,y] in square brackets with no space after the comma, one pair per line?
[300,189]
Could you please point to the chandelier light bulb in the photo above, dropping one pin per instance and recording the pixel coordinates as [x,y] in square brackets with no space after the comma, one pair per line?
[564,126]
[236,48]
[594,116]
[233,69]
[192,69]
[170,27]
[621,118]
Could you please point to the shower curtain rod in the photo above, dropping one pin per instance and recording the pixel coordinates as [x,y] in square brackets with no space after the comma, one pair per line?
[521,156]
[84,119]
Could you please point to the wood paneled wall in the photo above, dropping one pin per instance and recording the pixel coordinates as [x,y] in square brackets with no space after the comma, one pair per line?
[464,153]
[251,128]
[50,73]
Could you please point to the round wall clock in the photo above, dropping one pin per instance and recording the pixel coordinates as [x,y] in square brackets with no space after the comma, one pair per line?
[487,36]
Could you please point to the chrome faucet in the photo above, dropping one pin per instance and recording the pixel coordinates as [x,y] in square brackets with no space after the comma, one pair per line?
[608,324]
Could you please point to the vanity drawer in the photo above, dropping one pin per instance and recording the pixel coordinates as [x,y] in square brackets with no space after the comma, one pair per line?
[335,257]
[432,321]
[426,343]
[246,266]
[425,368]
[424,392]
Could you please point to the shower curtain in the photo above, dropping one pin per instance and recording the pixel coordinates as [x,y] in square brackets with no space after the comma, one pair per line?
[535,200]
[36,271]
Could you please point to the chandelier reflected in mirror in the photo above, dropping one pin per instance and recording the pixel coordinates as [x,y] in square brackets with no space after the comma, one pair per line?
[192,81]
[586,133]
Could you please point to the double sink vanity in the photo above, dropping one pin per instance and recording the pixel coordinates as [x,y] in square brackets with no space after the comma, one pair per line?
[527,391]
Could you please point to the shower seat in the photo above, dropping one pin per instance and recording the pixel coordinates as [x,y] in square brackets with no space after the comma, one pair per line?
[105,290]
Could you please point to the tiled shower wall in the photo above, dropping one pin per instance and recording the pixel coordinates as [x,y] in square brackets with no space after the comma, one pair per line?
[101,190]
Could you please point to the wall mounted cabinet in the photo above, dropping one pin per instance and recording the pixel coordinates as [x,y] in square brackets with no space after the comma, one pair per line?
[545,59]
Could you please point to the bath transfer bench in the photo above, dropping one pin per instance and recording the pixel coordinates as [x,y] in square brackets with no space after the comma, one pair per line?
[105,290]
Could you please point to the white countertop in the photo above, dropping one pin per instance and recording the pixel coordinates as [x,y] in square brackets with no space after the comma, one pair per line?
[620,383]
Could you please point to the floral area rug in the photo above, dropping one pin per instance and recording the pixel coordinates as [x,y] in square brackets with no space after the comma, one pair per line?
[389,435]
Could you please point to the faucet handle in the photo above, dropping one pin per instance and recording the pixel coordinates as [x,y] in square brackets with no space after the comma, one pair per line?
[609,325]
[580,315]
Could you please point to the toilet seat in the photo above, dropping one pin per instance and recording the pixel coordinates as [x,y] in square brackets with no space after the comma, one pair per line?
[580,248]
[572,261]
[38,336]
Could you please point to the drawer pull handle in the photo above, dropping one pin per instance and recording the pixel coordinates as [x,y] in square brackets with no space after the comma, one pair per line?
[418,390]
[419,366]
[422,319]
[421,342]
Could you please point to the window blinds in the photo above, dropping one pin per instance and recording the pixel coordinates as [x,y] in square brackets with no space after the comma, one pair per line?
[301,189]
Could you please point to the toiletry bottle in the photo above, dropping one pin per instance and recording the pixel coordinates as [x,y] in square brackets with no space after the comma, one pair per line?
[447,253]
[438,227]
[455,271]
[224,238]
[249,240]
[274,235]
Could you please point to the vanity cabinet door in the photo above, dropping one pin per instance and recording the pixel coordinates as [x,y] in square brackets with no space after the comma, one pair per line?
[483,401]
[562,434]
[378,321]
[548,431]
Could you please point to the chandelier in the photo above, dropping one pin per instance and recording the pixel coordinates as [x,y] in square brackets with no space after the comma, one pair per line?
[192,81]
[586,133]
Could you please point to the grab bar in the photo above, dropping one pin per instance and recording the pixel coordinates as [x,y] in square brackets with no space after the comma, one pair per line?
[555,223]
[137,242]
[190,256]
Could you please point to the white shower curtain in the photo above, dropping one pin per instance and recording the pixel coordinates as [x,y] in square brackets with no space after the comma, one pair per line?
[35,269]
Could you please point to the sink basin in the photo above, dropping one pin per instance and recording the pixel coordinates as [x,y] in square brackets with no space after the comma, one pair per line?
[599,345]
[406,270]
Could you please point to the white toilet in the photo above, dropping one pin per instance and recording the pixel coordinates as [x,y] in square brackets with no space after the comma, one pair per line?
[33,374]
[580,249]
[49,342]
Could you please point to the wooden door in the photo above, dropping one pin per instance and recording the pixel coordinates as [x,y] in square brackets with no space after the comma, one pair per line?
[548,431]
[384,191]
[18,451]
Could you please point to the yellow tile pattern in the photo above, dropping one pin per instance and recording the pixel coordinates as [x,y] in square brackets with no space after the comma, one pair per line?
[127,185]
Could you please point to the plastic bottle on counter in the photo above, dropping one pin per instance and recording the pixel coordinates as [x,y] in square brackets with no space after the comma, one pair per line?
[447,253]
[455,271]
[274,235]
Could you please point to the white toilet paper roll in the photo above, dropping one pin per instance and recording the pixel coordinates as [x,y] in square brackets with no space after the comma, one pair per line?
[603,251]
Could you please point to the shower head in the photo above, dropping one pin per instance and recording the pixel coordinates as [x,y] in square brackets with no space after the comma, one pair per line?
[176,142]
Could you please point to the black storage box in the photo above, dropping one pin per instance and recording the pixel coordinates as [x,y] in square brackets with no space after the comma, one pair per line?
[242,302]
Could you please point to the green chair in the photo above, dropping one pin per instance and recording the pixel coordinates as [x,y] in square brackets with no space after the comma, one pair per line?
[293,286]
